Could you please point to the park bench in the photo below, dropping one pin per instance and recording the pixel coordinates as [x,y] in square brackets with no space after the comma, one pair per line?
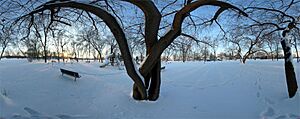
[70,73]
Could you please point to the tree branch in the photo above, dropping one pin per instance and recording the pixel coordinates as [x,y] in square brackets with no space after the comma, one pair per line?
[169,37]
[115,28]
[196,40]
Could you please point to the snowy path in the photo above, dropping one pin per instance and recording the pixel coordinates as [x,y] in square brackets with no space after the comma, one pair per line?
[189,90]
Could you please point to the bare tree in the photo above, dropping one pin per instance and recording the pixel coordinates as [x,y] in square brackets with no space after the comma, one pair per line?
[5,38]
[75,50]
[41,30]
[32,44]
[295,42]
[150,68]
[250,39]
[257,41]
[93,38]
[279,16]
[184,45]
[111,42]
[167,54]
[271,43]
[60,41]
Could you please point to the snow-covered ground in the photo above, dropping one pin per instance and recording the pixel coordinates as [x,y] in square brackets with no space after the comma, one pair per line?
[228,89]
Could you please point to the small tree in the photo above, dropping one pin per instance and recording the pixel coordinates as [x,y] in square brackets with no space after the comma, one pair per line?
[60,41]
[5,38]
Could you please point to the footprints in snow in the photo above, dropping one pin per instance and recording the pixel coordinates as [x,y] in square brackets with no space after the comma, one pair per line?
[286,116]
[269,102]
[117,114]
[270,112]
[257,83]
[33,114]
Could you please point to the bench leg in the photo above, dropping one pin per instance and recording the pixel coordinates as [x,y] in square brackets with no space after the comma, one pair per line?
[74,76]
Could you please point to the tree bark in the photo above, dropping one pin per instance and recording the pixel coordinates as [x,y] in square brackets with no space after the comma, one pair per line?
[2,52]
[62,51]
[289,68]
[58,58]
[3,49]
[246,56]
[112,58]
[153,92]
[45,54]
[100,55]
[183,53]
[152,22]
[244,59]
[277,51]
[297,55]
[173,33]
[272,56]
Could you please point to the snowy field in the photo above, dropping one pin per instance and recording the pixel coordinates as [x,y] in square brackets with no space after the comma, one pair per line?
[192,90]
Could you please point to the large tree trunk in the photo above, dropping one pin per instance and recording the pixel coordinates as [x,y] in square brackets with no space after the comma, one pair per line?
[289,68]
[153,92]
[153,87]
[152,21]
